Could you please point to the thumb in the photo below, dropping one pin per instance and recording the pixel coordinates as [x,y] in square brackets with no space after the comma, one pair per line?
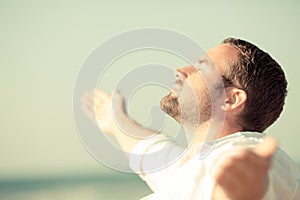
[118,102]
[267,148]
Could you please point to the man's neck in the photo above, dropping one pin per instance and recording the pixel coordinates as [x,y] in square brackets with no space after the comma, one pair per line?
[207,131]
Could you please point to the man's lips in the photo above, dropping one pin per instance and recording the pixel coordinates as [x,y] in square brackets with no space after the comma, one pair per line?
[177,87]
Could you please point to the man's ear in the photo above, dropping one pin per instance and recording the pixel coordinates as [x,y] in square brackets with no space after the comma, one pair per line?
[235,99]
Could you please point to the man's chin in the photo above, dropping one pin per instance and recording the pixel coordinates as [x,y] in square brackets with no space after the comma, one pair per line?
[170,105]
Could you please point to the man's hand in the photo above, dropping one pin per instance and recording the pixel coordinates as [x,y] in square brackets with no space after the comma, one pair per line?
[108,112]
[98,106]
[244,176]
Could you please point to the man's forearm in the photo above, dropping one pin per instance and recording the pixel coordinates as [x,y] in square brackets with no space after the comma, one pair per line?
[129,133]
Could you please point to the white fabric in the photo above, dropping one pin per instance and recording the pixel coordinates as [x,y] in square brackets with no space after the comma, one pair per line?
[162,164]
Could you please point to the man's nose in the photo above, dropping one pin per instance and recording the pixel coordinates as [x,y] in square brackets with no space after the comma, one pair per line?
[187,71]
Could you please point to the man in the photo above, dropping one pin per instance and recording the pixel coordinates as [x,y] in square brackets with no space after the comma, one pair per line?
[227,156]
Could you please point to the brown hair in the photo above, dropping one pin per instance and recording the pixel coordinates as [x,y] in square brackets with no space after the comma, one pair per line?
[262,78]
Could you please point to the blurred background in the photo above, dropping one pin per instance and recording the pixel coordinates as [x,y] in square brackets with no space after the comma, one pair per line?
[42,47]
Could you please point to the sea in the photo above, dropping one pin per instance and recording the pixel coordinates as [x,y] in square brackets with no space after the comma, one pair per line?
[104,187]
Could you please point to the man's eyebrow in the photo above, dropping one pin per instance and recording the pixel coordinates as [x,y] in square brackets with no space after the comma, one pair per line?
[202,60]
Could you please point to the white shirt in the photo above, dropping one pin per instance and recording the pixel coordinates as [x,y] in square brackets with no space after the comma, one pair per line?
[162,164]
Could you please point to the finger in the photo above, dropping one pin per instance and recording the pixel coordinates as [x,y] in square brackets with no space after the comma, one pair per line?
[89,113]
[251,159]
[117,97]
[118,101]
[267,148]
[89,99]
[84,97]
[100,93]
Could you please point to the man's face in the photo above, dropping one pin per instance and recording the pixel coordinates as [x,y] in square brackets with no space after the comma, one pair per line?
[190,99]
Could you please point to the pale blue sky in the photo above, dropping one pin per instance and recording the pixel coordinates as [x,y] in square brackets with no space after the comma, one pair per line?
[44,43]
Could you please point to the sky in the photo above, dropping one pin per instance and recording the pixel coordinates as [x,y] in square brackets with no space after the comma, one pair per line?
[45,43]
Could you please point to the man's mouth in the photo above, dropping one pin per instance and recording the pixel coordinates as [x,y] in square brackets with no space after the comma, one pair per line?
[175,90]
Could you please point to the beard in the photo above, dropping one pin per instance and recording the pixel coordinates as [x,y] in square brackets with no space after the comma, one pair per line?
[170,105]
[187,109]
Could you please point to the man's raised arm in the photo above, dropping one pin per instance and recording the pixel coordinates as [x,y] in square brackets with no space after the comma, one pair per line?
[245,175]
[108,112]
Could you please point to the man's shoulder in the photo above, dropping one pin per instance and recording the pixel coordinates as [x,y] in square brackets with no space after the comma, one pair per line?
[212,153]
[232,143]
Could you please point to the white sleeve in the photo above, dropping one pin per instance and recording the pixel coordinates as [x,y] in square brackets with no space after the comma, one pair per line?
[155,159]
[284,174]
[284,178]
